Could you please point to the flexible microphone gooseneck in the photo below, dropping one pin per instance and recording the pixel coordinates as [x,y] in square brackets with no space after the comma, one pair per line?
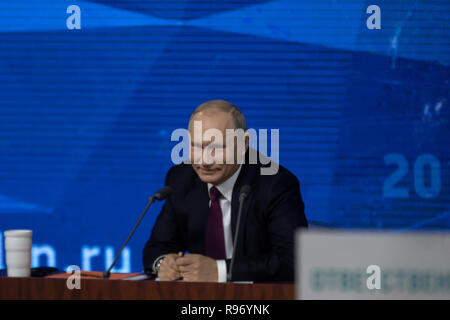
[159,195]
[245,190]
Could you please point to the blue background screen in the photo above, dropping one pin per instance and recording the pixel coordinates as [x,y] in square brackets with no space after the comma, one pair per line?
[86,115]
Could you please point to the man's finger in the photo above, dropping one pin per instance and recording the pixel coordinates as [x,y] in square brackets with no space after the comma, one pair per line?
[190,278]
[185,260]
[169,275]
[172,264]
[185,268]
[174,275]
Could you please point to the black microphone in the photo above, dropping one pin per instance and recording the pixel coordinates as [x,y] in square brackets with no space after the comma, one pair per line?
[159,195]
[245,190]
[163,193]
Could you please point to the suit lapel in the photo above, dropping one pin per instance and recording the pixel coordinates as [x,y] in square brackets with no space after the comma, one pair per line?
[198,209]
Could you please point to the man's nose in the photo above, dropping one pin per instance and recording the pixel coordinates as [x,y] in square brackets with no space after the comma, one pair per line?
[208,161]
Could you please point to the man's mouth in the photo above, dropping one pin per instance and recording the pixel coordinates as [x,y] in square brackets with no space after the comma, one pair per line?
[208,171]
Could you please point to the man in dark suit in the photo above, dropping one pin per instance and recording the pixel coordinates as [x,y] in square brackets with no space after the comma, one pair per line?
[200,216]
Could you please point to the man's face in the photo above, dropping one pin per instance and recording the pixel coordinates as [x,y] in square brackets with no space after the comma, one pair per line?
[214,173]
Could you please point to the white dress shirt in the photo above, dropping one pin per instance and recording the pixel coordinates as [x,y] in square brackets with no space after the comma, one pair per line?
[226,189]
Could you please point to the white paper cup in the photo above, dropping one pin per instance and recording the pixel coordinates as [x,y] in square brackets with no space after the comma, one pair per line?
[18,252]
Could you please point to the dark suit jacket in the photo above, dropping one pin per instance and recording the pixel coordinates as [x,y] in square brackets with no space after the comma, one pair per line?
[272,212]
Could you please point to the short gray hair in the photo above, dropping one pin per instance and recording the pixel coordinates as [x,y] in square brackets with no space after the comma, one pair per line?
[209,107]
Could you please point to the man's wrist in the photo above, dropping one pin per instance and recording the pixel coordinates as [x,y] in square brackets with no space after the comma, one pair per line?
[157,263]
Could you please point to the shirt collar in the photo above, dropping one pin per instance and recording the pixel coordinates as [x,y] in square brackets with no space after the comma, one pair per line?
[226,187]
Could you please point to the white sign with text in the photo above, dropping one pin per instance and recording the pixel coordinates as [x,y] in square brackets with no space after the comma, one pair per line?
[372,265]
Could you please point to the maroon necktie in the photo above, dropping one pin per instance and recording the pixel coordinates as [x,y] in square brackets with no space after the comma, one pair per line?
[215,242]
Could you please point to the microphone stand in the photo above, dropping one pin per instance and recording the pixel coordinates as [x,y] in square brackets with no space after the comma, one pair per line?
[107,273]
[241,203]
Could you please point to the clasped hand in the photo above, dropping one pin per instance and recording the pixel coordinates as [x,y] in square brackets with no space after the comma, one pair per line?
[191,267]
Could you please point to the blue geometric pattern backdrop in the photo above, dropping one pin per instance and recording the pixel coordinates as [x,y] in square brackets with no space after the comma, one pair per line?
[86,115]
